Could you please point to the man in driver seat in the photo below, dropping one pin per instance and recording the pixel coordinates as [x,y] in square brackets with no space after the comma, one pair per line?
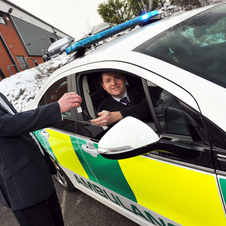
[122,101]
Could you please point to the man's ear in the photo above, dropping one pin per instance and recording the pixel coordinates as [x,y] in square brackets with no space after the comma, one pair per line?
[103,86]
[124,78]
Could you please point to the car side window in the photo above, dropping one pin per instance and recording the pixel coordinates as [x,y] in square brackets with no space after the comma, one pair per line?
[175,117]
[181,129]
[168,112]
[89,107]
[54,93]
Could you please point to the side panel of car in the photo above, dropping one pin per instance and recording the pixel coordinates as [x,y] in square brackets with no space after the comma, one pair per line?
[160,188]
[100,176]
[175,192]
[222,183]
[147,185]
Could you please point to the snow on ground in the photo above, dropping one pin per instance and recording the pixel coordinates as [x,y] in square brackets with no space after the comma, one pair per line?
[22,87]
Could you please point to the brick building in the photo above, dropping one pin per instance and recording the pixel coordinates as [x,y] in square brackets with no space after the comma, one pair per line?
[23,37]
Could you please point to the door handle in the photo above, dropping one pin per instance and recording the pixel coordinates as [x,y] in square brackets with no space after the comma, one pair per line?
[45,133]
[222,161]
[90,149]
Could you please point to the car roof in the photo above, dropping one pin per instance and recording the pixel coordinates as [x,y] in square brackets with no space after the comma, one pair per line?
[137,36]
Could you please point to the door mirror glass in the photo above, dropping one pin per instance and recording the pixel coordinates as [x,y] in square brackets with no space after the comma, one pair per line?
[126,139]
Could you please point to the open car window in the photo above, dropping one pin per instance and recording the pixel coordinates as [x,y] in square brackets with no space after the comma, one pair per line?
[93,95]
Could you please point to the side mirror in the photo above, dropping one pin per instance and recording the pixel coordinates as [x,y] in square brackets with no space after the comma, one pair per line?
[127,138]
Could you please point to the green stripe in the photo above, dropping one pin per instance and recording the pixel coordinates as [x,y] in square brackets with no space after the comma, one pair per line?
[45,143]
[108,172]
[223,188]
[81,157]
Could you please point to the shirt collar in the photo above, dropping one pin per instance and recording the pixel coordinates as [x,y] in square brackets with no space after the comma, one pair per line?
[125,95]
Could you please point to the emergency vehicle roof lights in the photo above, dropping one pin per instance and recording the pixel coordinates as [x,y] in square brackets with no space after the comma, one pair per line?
[105,34]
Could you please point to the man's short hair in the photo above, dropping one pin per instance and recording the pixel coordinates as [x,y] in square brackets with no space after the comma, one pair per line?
[106,72]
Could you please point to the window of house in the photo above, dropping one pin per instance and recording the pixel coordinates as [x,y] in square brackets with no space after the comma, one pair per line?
[22,62]
[2,20]
[52,40]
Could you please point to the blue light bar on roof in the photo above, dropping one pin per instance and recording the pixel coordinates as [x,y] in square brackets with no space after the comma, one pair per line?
[105,34]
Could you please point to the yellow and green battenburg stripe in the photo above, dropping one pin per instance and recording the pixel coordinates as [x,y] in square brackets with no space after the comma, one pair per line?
[161,187]
[68,153]
[167,189]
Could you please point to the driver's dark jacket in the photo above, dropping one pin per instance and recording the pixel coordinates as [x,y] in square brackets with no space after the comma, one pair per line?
[25,178]
[139,109]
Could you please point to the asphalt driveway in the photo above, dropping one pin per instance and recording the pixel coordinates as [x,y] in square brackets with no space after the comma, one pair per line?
[78,209]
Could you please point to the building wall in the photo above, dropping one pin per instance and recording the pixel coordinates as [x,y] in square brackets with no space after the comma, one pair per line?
[21,14]
[16,48]
[33,37]
[24,36]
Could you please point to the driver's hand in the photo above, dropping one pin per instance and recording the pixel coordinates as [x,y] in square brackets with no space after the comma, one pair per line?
[107,118]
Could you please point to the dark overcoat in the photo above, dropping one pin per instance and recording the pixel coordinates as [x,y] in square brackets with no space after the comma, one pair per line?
[25,178]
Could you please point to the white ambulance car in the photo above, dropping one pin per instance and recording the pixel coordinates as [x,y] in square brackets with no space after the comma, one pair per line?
[169,170]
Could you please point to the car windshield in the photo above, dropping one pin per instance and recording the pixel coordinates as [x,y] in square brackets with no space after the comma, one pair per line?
[197,44]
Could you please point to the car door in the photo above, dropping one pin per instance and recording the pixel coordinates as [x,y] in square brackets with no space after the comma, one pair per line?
[175,183]
[58,140]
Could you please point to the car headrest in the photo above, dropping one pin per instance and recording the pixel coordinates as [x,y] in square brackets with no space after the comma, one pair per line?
[97,82]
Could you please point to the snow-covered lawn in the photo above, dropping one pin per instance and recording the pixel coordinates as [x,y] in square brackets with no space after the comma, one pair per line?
[23,86]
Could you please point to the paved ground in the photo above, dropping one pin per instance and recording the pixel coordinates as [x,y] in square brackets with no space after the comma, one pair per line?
[78,209]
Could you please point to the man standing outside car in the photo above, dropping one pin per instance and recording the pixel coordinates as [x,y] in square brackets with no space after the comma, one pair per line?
[26,184]
[122,101]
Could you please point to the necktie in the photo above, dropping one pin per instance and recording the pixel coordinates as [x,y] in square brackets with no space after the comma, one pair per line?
[125,100]
[8,109]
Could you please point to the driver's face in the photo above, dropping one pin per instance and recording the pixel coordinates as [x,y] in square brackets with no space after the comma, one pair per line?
[114,84]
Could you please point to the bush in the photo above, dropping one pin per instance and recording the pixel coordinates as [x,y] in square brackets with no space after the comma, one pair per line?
[115,11]
[120,11]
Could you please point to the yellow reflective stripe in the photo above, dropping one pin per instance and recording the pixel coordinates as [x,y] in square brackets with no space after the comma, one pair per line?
[64,152]
[188,197]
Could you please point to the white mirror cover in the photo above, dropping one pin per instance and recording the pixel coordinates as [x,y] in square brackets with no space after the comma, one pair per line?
[128,132]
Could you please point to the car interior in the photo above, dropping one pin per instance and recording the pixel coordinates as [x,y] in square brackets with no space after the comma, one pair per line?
[55,92]
[94,94]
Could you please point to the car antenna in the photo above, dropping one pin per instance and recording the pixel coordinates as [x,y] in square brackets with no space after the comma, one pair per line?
[79,53]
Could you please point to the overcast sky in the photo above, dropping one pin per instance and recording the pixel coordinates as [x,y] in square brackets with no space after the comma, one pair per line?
[74,17]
